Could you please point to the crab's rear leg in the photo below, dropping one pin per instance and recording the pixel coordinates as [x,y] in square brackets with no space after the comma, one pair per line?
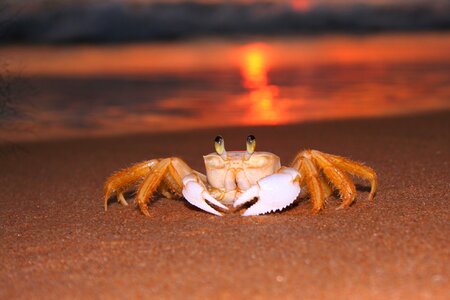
[123,180]
[356,169]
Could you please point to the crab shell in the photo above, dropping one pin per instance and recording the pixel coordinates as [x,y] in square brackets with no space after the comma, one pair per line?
[236,171]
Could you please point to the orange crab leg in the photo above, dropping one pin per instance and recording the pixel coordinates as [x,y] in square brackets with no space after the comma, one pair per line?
[166,177]
[327,190]
[158,175]
[356,169]
[150,185]
[123,180]
[337,177]
[311,177]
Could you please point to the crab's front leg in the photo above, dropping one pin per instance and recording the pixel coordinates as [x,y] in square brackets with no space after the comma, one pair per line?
[274,192]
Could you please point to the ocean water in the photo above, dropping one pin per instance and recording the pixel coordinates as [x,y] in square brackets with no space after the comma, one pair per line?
[96,90]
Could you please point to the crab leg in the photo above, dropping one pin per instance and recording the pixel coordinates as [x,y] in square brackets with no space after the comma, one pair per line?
[335,169]
[275,192]
[150,185]
[339,178]
[314,183]
[356,169]
[325,187]
[121,181]
[169,176]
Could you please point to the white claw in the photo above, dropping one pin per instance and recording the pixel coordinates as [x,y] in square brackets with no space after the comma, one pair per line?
[211,199]
[195,193]
[247,196]
[275,192]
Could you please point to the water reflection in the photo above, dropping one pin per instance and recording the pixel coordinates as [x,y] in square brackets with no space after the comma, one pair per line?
[262,97]
[254,65]
[98,90]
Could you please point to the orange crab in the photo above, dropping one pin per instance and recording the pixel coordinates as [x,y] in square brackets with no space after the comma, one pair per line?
[237,177]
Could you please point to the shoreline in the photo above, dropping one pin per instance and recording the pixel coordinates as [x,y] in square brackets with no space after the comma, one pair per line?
[5,142]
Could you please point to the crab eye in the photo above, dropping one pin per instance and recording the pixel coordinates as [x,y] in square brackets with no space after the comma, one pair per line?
[251,144]
[219,145]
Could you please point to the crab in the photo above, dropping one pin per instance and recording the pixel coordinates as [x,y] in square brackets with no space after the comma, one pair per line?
[234,178]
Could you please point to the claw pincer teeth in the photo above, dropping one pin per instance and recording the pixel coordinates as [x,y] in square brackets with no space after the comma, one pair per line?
[196,194]
[275,192]
[247,196]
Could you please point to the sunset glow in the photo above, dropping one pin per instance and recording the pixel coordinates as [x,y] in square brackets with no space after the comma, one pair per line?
[258,58]
[300,5]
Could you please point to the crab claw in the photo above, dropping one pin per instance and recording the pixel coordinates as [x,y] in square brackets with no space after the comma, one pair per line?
[275,192]
[195,193]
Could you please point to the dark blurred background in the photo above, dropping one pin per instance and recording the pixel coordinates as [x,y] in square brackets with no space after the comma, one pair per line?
[70,21]
[125,66]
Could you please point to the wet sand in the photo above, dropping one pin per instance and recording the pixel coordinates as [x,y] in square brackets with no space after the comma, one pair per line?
[58,243]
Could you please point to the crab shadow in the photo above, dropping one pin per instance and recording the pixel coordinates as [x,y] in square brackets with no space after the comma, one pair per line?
[362,188]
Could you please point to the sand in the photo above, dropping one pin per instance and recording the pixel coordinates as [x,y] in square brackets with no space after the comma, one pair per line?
[58,243]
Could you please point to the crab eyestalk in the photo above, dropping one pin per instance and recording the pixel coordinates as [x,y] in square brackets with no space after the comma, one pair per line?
[251,144]
[219,145]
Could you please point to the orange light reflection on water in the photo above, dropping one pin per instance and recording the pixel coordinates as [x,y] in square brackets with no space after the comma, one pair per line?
[254,65]
[262,99]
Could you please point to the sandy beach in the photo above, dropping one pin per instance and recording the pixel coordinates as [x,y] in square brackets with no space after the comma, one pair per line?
[58,243]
